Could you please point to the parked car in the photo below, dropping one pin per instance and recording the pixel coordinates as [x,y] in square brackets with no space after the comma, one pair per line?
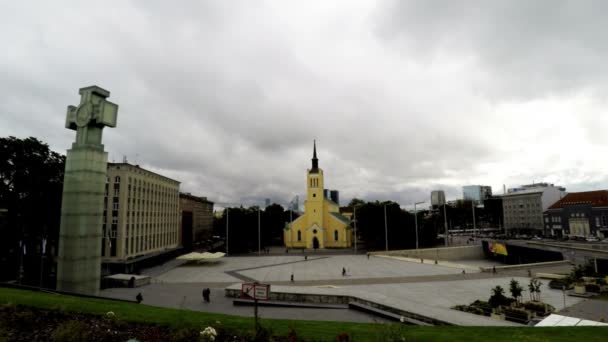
[592,239]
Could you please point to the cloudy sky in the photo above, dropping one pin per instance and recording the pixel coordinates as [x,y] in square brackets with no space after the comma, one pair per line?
[403,97]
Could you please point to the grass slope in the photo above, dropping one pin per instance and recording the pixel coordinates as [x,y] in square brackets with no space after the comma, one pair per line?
[311,330]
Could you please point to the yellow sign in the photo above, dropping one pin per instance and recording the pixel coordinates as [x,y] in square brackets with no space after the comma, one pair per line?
[497,248]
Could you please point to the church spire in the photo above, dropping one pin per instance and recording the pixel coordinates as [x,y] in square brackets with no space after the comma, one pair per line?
[315,161]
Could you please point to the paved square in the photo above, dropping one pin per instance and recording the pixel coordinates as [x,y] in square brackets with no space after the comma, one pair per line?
[427,288]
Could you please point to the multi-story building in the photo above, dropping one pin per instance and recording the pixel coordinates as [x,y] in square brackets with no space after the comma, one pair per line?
[477,193]
[437,199]
[333,195]
[141,215]
[533,186]
[578,214]
[523,209]
[197,219]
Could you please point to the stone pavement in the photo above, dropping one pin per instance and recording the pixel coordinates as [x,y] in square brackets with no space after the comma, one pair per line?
[188,296]
[592,309]
[423,288]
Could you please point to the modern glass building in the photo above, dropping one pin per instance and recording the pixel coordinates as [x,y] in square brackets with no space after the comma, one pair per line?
[477,193]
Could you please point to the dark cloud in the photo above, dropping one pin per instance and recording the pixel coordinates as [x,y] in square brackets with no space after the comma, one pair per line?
[402,97]
[524,49]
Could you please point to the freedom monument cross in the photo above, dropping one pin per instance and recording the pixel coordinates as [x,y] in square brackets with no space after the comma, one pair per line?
[79,262]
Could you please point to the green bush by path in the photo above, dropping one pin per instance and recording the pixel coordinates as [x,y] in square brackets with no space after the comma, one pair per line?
[307,330]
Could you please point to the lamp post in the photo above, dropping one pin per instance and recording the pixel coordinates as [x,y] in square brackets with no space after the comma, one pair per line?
[259,237]
[416,221]
[474,225]
[385,230]
[445,225]
[355,222]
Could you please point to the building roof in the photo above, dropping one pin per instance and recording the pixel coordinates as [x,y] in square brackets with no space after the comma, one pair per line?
[597,198]
[523,192]
[137,167]
[194,198]
[340,217]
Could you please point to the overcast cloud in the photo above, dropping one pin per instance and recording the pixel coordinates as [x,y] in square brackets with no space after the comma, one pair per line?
[403,97]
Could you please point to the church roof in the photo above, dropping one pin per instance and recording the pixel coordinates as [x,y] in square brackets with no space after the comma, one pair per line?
[340,217]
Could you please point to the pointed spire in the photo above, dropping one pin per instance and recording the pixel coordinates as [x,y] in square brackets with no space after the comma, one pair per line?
[315,161]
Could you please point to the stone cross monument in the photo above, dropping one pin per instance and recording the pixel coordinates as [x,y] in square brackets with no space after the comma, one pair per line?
[79,262]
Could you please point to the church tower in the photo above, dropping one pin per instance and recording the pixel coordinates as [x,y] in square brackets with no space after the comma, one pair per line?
[321,225]
[314,194]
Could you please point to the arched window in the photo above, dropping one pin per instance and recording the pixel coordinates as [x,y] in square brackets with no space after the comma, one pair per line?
[336,235]
[299,235]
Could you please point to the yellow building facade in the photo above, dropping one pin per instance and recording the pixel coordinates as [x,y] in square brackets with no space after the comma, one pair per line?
[321,225]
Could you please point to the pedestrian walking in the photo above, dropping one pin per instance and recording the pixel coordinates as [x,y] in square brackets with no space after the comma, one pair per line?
[292,277]
[367,255]
[463,272]
[305,257]
[494,269]
[139,298]
[343,271]
[530,273]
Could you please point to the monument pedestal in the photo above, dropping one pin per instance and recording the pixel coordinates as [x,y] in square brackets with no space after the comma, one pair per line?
[80,235]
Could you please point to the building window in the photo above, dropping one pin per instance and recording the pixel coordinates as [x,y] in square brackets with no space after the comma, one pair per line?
[117,179]
[114,219]
[115,207]
[299,235]
[335,235]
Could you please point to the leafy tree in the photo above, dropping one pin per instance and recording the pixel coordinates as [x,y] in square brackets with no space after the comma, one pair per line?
[515,289]
[498,297]
[31,184]
[243,227]
[534,288]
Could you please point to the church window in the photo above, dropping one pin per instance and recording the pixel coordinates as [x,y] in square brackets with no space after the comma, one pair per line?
[336,235]
[299,235]
[314,195]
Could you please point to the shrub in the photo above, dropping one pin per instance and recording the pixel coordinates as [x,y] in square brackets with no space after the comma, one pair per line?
[185,335]
[516,314]
[71,331]
[498,297]
[485,307]
[539,307]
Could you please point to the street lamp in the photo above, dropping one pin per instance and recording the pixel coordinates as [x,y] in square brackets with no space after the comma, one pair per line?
[473,207]
[355,222]
[445,225]
[416,221]
[385,230]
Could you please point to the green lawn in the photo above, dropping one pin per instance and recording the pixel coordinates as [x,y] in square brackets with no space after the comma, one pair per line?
[312,330]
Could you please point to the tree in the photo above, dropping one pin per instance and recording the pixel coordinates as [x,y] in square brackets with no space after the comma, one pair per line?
[534,288]
[31,185]
[498,297]
[515,289]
